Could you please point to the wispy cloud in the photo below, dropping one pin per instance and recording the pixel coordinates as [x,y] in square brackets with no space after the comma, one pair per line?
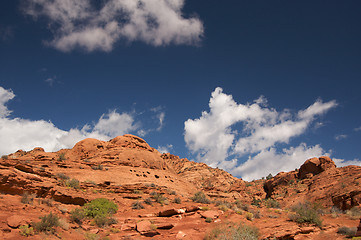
[18,133]
[78,23]
[214,140]
[357,129]
[6,32]
[340,137]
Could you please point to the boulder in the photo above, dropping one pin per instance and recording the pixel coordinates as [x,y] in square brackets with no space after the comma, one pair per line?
[15,221]
[210,214]
[147,229]
[315,166]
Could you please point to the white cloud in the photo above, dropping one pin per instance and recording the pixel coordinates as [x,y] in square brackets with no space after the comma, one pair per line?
[343,162]
[165,149]
[5,96]
[77,23]
[17,133]
[357,129]
[340,137]
[214,138]
[274,162]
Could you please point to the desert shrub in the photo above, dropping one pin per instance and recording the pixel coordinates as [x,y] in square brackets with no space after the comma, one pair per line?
[256,202]
[26,231]
[91,236]
[305,213]
[47,223]
[249,216]
[98,167]
[177,200]
[200,197]
[62,176]
[349,232]
[148,201]
[158,197]
[100,207]
[138,192]
[137,205]
[102,221]
[5,157]
[232,231]
[272,203]
[27,198]
[269,176]
[223,208]
[223,203]
[209,220]
[73,183]
[48,201]
[256,214]
[171,192]
[61,157]
[77,215]
[354,213]
[241,205]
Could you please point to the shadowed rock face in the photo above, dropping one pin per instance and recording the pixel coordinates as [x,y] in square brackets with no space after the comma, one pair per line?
[127,170]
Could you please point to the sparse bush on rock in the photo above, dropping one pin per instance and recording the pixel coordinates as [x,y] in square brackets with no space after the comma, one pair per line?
[47,223]
[230,231]
[27,198]
[305,213]
[349,232]
[137,205]
[200,197]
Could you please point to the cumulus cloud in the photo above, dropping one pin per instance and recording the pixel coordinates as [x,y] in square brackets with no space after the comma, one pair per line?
[78,23]
[17,133]
[258,129]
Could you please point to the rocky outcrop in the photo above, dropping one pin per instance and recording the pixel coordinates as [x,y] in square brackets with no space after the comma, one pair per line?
[315,166]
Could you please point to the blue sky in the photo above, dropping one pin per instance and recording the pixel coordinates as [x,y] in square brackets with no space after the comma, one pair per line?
[252,87]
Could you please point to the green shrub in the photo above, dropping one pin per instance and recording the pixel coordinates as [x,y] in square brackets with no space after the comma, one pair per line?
[138,192]
[27,198]
[5,157]
[232,231]
[249,216]
[269,176]
[354,213]
[73,183]
[148,201]
[103,221]
[26,231]
[137,205]
[62,176]
[209,220]
[272,203]
[77,215]
[200,197]
[98,167]
[100,207]
[61,157]
[158,197]
[177,200]
[256,202]
[349,232]
[305,213]
[47,223]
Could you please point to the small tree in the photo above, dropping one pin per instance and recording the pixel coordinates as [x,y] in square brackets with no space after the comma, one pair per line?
[269,176]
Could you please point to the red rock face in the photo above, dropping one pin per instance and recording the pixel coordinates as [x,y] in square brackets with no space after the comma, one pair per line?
[127,170]
[315,166]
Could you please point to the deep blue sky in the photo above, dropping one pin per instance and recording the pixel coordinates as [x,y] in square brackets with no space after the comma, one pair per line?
[291,52]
